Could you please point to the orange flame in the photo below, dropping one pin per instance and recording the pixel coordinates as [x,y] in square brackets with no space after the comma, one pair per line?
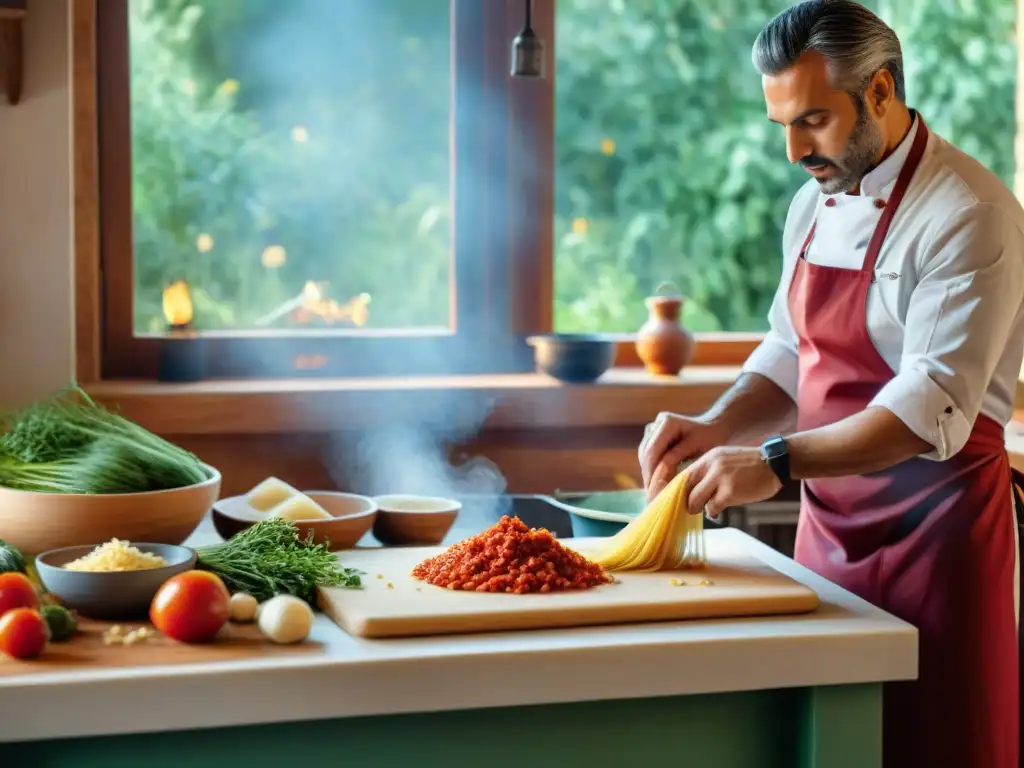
[178,304]
[315,305]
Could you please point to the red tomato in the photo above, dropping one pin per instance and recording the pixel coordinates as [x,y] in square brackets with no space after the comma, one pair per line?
[23,633]
[17,591]
[191,607]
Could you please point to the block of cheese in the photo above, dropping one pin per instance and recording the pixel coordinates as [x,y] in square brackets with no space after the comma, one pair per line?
[269,494]
[300,507]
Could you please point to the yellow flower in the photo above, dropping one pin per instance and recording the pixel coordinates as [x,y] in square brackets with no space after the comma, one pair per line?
[274,256]
[204,243]
[361,309]
[608,146]
[580,226]
[228,88]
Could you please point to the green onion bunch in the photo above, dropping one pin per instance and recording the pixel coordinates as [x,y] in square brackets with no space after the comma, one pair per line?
[71,444]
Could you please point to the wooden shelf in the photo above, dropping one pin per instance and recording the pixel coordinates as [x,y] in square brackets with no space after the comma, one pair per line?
[623,397]
[12,54]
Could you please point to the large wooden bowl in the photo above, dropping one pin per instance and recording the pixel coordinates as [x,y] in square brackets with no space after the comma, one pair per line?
[38,522]
[352,517]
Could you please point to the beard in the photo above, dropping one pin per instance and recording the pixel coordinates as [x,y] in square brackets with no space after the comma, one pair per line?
[862,150]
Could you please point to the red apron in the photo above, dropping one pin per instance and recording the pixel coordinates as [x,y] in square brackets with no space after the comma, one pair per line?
[930,542]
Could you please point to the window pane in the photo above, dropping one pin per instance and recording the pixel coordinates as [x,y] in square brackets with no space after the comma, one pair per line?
[290,162]
[668,170]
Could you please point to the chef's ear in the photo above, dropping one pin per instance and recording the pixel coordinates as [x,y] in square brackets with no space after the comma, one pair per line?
[881,93]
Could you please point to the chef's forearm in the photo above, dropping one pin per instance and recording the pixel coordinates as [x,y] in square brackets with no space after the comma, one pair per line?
[753,409]
[869,441]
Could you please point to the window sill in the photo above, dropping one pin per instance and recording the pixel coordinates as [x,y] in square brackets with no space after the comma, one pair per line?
[623,397]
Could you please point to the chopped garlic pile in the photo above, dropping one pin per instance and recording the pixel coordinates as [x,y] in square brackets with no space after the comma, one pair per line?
[117,636]
[116,555]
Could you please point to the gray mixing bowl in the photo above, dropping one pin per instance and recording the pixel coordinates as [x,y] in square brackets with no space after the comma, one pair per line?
[113,595]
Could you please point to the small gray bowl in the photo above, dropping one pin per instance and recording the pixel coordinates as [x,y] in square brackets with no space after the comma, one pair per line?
[575,358]
[111,595]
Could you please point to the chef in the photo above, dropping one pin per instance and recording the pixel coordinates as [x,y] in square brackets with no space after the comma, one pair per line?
[885,381]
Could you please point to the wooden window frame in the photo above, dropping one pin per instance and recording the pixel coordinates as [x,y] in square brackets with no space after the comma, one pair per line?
[500,296]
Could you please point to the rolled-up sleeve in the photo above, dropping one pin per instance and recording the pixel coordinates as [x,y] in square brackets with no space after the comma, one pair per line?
[776,359]
[959,318]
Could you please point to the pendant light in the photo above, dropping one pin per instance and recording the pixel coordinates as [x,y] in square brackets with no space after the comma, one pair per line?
[528,50]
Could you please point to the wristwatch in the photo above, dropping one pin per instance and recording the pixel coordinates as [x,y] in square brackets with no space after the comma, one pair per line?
[776,456]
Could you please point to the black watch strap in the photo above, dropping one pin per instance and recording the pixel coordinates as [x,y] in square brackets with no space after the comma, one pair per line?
[776,456]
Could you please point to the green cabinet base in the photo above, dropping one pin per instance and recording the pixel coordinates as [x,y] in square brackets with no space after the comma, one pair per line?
[834,727]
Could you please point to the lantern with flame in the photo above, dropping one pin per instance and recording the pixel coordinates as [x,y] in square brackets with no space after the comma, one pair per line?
[181,350]
[178,307]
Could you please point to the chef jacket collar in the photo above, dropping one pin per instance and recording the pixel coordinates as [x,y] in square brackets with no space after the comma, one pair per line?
[880,178]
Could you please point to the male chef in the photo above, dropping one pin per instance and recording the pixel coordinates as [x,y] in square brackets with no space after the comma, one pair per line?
[885,381]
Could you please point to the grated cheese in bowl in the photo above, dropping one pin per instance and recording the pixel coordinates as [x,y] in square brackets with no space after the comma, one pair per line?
[116,555]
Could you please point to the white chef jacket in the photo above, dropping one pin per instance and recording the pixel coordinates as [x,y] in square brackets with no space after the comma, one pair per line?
[946,308]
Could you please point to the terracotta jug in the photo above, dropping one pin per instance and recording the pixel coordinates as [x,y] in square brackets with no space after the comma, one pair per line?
[662,343]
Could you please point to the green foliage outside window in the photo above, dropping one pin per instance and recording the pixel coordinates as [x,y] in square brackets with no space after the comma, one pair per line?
[667,169]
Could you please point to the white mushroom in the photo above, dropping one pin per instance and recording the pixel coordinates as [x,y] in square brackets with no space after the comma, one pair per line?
[285,619]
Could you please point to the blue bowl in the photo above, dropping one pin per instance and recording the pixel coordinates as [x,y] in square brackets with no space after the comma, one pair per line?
[600,514]
[573,358]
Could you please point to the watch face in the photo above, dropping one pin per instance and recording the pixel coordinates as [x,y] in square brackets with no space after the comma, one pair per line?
[774,447]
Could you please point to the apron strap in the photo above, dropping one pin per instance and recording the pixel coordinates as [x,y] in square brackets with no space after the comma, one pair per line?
[1018,506]
[1017,481]
[910,166]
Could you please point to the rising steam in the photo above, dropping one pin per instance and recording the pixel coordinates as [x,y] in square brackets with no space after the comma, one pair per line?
[413,456]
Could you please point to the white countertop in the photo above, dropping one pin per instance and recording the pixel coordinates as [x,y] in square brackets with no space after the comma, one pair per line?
[846,641]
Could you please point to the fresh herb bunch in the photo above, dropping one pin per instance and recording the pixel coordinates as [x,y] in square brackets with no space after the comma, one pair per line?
[271,558]
[71,444]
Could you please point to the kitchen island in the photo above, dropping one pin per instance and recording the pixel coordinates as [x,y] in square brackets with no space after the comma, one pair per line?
[785,691]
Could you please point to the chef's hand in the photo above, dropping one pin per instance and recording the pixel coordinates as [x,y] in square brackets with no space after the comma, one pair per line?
[670,440]
[729,477]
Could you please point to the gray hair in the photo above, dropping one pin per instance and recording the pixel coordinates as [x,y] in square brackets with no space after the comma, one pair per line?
[854,40]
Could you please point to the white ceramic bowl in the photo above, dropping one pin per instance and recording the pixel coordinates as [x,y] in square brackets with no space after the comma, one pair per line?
[352,516]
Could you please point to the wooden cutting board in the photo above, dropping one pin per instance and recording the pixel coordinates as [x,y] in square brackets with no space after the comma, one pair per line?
[87,651]
[394,604]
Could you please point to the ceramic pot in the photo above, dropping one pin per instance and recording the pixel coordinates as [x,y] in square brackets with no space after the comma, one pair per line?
[662,343]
